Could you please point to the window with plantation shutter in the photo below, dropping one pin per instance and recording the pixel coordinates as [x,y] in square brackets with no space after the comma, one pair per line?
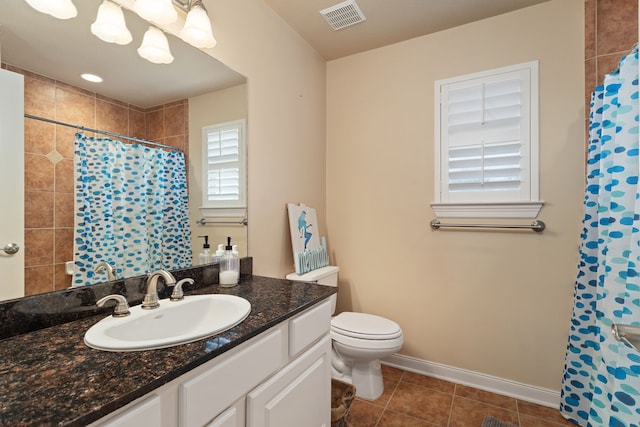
[486,144]
[224,156]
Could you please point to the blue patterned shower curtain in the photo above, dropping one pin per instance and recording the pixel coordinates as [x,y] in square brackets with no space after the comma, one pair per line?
[131,209]
[601,382]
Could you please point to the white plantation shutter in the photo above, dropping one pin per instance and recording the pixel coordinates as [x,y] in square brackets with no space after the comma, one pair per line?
[486,137]
[224,151]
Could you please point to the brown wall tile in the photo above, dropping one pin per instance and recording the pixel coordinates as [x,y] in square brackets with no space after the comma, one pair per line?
[614,25]
[64,176]
[61,279]
[65,137]
[137,124]
[64,210]
[589,29]
[63,245]
[617,25]
[38,173]
[155,125]
[39,137]
[38,209]
[38,247]
[112,118]
[175,141]
[75,108]
[174,121]
[38,279]
[39,98]
[590,81]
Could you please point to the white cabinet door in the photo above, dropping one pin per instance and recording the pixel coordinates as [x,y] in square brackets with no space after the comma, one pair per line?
[298,395]
[12,183]
[206,395]
[232,417]
[145,413]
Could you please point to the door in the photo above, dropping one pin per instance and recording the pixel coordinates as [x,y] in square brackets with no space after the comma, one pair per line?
[11,184]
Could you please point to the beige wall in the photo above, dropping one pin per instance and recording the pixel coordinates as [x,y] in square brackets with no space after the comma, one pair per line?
[493,302]
[210,109]
[286,122]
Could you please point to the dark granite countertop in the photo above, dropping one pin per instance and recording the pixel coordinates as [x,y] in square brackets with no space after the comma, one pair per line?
[50,377]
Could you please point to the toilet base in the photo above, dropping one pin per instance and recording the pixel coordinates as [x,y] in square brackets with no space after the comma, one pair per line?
[365,376]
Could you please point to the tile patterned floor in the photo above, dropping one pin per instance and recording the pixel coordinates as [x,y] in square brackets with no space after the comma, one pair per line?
[414,400]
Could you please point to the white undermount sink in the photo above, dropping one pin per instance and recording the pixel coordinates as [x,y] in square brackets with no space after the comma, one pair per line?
[173,323]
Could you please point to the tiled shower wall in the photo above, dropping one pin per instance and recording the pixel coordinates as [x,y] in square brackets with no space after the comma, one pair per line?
[49,164]
[611,30]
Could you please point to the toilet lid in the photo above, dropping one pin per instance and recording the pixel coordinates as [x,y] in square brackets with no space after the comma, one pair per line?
[362,325]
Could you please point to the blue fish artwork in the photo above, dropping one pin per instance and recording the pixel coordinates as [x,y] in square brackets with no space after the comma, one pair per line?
[303,228]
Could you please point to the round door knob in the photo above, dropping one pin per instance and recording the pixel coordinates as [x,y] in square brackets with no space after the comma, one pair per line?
[11,248]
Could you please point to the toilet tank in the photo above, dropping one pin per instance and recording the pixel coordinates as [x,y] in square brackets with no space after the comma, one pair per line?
[327,276]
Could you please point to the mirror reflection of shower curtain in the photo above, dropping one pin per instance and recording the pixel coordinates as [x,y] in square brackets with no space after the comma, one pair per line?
[131,209]
[601,381]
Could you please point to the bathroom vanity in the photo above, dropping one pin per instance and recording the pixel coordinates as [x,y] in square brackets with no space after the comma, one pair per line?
[271,369]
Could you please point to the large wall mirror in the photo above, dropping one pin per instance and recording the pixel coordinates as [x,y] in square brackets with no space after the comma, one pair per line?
[166,103]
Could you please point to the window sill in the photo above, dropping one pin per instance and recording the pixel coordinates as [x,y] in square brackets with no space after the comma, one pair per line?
[223,212]
[487,210]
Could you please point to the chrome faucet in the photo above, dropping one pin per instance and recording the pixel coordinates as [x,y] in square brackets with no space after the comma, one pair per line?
[102,266]
[150,300]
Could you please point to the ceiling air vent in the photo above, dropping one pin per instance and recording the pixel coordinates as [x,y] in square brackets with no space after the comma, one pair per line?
[343,15]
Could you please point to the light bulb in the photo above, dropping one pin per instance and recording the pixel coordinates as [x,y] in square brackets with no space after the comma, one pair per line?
[61,9]
[110,26]
[197,28]
[159,11]
[155,47]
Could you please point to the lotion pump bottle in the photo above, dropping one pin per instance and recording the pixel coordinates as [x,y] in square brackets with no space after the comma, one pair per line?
[229,266]
[205,256]
[220,251]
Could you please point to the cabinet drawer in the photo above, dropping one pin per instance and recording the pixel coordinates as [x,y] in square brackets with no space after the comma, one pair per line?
[208,394]
[308,327]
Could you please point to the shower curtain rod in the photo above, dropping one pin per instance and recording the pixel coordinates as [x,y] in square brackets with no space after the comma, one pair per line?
[103,132]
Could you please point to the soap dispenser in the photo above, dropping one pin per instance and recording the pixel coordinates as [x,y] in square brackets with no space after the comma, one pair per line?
[229,266]
[205,255]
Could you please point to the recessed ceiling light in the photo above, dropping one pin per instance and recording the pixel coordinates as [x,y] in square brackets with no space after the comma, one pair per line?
[91,78]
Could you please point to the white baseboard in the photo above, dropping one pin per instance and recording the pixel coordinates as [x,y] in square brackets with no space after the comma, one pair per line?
[529,393]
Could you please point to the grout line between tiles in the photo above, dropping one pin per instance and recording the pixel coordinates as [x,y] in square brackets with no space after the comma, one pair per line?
[453,397]
[386,405]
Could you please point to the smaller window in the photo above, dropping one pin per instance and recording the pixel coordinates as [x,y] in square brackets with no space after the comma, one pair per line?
[486,144]
[224,159]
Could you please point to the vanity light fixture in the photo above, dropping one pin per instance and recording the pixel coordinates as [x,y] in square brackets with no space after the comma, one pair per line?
[158,11]
[61,9]
[109,25]
[155,47]
[197,27]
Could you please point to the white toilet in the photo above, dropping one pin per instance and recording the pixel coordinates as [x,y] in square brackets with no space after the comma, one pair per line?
[359,340]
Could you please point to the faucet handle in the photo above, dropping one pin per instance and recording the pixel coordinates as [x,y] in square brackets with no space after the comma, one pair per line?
[122,307]
[177,294]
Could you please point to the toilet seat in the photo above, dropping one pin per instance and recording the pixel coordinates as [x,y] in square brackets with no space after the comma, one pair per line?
[364,326]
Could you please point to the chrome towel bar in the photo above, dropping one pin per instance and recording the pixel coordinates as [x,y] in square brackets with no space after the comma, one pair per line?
[243,221]
[537,225]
